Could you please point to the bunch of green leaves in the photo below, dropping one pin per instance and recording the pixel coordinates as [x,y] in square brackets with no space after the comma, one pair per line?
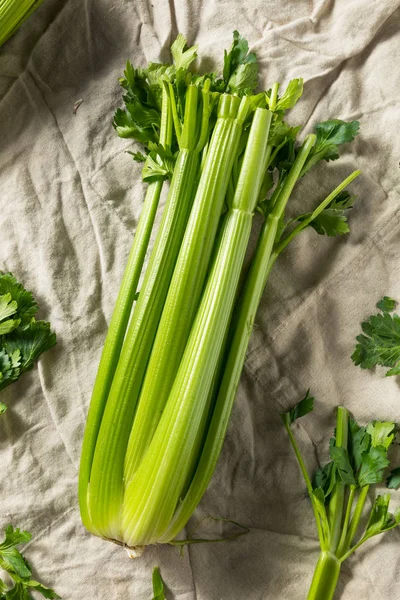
[140,119]
[22,337]
[379,344]
[18,569]
[354,466]
[363,462]
[330,135]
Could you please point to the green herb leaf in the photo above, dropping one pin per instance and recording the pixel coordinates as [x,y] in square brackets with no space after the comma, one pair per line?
[332,220]
[158,585]
[31,343]
[386,304]
[10,559]
[292,94]
[305,406]
[330,135]
[340,457]
[379,344]
[374,462]
[26,305]
[381,519]
[240,67]
[8,307]
[359,443]
[325,478]
[22,338]
[393,481]
[382,433]
[17,567]
[42,589]
[183,55]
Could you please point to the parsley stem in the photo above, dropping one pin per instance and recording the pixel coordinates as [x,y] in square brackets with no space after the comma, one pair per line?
[337,499]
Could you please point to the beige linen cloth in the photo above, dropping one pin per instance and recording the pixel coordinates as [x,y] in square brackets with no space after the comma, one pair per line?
[70,198]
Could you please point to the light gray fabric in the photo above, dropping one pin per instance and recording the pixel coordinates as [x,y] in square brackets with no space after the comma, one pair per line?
[69,201]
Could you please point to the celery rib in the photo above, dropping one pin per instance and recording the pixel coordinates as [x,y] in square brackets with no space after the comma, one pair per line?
[114,340]
[153,494]
[187,282]
[119,321]
[106,480]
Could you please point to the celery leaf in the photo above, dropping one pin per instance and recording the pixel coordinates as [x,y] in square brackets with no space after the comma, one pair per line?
[382,433]
[183,55]
[386,304]
[302,408]
[292,94]
[341,459]
[393,481]
[330,135]
[373,464]
[240,67]
[333,219]
[158,585]
[21,342]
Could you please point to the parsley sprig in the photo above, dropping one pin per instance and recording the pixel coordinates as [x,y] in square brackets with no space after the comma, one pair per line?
[379,344]
[18,569]
[22,338]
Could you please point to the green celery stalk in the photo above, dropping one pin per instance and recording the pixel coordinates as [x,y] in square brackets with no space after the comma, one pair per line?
[12,14]
[188,278]
[155,490]
[120,317]
[327,570]
[106,487]
[325,577]
[243,320]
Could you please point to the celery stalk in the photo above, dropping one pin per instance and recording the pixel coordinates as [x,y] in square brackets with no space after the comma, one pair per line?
[119,320]
[325,577]
[13,13]
[106,479]
[243,326]
[188,279]
[154,492]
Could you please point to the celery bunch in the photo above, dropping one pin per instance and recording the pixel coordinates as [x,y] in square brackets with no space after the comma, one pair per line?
[175,349]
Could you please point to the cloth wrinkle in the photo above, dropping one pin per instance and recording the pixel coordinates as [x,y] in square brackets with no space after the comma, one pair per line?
[56,17]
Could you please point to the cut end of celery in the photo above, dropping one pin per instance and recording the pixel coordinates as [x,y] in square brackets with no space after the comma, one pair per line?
[135,551]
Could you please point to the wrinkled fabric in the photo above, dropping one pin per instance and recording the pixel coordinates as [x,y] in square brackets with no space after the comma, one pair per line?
[70,198]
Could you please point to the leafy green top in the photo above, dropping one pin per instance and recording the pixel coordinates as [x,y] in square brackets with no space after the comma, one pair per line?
[379,344]
[359,457]
[143,92]
[22,337]
[18,568]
